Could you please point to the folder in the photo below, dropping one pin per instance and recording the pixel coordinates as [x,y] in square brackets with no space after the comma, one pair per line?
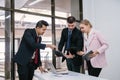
[72,50]
[58,53]
[87,55]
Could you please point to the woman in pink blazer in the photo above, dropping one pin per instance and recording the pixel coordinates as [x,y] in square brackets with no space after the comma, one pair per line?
[94,41]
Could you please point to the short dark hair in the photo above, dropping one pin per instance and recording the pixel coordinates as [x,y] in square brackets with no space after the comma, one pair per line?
[42,22]
[71,19]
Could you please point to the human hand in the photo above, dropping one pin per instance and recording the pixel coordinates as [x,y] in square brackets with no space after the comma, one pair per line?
[51,46]
[69,55]
[80,53]
[94,54]
[42,69]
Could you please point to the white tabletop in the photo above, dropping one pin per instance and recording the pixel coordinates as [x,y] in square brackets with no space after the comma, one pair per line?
[70,76]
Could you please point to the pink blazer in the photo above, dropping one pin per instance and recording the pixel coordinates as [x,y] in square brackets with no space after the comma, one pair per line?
[96,42]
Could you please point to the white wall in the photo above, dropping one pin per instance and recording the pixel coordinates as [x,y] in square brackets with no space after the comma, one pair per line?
[105,17]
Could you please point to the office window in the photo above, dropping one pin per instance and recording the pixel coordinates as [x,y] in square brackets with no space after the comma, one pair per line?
[59,25]
[2,3]
[37,6]
[2,20]
[63,8]
[2,42]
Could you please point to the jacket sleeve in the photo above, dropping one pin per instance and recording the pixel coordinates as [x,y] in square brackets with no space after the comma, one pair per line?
[103,42]
[30,40]
[79,45]
[80,41]
[62,41]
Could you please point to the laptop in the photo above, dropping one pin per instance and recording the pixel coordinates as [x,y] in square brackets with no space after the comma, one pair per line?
[53,70]
[51,66]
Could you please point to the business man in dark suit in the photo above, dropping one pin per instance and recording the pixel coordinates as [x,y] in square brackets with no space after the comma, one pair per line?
[28,55]
[71,37]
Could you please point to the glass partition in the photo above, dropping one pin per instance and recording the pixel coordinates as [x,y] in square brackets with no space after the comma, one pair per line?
[2,43]
[63,8]
[37,6]
[2,3]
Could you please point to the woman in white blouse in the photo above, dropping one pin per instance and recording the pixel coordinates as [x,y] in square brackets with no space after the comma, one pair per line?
[93,40]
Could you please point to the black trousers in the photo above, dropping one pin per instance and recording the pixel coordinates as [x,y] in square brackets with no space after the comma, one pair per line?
[71,66]
[26,72]
[93,71]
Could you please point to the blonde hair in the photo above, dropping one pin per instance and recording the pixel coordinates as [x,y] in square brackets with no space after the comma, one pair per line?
[86,22]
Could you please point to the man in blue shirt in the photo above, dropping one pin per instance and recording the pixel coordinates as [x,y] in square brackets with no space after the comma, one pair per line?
[71,37]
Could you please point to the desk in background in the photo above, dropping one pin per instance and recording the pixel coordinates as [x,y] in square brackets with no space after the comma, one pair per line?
[70,76]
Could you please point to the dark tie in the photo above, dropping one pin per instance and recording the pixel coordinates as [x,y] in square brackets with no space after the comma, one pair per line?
[36,52]
[68,40]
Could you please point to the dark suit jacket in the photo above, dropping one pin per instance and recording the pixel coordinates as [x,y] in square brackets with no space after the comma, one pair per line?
[27,47]
[75,41]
